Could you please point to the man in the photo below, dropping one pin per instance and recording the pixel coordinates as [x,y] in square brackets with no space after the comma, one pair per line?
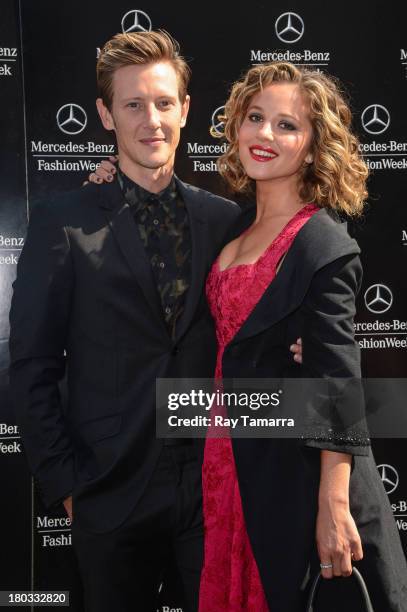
[110,289]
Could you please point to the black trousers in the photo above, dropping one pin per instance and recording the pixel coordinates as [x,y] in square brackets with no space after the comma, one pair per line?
[122,570]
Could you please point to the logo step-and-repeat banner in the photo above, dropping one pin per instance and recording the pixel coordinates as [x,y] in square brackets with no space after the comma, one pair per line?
[52,139]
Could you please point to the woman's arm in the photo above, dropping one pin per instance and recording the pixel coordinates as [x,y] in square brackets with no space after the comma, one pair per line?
[331,356]
[337,537]
[330,351]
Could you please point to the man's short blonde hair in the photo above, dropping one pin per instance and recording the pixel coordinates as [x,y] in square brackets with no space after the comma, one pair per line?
[138,48]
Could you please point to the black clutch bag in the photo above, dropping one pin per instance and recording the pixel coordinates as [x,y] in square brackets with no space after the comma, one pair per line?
[367,604]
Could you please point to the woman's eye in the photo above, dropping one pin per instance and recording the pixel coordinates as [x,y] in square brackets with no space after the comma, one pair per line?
[255,117]
[287,126]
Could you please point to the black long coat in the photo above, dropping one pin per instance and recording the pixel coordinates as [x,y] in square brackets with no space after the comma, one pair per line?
[312,296]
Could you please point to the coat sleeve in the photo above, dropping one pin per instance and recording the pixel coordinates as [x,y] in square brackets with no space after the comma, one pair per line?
[331,358]
[39,319]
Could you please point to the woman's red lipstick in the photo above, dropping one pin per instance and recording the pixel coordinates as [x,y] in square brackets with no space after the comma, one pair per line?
[268,154]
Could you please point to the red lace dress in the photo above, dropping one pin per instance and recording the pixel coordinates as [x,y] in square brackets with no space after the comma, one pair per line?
[230,580]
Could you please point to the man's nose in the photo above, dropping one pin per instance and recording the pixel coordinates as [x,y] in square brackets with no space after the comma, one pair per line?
[152,116]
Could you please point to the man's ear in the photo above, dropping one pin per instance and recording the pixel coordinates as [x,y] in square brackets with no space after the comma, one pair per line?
[184,110]
[105,115]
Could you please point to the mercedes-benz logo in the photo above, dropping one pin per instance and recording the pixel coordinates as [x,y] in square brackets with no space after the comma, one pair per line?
[136,21]
[290,27]
[71,119]
[218,125]
[378,298]
[389,477]
[375,119]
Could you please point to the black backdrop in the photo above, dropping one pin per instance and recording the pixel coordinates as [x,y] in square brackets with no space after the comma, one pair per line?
[51,139]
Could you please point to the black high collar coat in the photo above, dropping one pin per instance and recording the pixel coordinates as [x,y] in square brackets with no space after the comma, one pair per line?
[312,297]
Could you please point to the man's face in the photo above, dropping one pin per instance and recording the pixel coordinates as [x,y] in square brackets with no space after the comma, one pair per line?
[146,115]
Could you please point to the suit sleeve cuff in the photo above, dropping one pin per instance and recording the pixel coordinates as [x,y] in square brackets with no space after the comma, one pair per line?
[357,444]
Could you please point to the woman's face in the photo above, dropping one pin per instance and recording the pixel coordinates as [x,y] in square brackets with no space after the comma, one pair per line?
[276,134]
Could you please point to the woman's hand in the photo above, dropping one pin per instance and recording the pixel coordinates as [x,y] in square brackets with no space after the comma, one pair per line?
[105,172]
[338,539]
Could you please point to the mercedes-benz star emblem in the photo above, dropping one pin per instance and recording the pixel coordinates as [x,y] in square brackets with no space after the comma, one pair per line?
[378,298]
[375,119]
[136,21]
[290,27]
[389,476]
[218,125]
[71,119]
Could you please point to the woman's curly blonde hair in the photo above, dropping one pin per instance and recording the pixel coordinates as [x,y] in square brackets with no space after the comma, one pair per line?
[337,176]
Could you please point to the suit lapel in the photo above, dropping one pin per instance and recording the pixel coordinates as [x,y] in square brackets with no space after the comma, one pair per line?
[197,219]
[287,290]
[123,227]
[280,298]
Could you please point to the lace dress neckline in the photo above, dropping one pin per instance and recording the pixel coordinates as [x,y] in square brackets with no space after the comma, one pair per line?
[304,209]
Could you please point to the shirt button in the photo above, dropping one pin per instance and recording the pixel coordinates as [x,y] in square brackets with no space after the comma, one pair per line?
[168,310]
[156,222]
[162,264]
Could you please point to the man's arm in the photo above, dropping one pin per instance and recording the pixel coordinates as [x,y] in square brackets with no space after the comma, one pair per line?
[39,319]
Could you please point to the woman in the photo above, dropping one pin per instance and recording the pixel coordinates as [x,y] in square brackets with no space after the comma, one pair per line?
[276,509]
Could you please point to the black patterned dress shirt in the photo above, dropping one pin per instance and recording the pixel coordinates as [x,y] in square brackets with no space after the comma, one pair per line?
[162,222]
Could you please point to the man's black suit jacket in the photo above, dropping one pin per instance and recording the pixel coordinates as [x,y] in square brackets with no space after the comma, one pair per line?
[85,303]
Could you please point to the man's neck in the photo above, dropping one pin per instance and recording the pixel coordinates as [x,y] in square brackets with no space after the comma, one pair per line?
[153,180]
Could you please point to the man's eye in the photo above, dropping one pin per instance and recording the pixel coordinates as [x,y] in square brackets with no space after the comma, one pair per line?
[165,103]
[255,117]
[134,105]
